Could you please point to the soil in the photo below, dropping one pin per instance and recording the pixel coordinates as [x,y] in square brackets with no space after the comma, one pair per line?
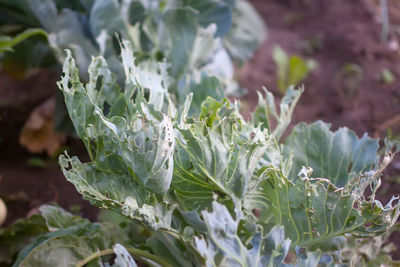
[333,33]
[26,186]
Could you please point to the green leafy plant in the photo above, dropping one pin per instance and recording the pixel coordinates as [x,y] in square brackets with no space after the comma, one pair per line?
[195,37]
[191,35]
[7,42]
[371,252]
[208,187]
[28,50]
[290,70]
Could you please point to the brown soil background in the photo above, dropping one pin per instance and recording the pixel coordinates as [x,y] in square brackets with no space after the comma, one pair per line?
[349,32]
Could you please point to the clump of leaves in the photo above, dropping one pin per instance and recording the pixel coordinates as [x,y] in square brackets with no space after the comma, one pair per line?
[211,188]
[291,70]
[195,37]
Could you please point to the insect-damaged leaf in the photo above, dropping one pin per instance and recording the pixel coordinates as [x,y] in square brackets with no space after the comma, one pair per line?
[314,210]
[225,248]
[336,156]
[117,131]
[217,154]
[266,111]
[264,198]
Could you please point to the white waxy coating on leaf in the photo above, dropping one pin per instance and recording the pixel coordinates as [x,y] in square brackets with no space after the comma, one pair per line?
[123,258]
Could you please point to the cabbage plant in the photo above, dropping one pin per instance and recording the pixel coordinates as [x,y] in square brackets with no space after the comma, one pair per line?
[193,36]
[205,186]
[197,38]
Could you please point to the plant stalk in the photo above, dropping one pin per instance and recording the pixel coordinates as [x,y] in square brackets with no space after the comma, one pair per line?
[134,252]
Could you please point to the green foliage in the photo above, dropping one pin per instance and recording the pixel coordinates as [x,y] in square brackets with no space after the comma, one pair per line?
[68,240]
[266,111]
[190,182]
[210,188]
[14,238]
[386,76]
[371,252]
[28,52]
[291,71]
[194,37]
[248,32]
[7,42]
[321,208]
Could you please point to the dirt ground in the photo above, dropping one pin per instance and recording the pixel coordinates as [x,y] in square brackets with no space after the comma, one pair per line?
[333,33]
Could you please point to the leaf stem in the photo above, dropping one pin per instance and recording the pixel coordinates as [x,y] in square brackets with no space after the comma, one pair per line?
[133,251]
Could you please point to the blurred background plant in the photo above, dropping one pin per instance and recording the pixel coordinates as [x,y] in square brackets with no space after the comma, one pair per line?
[194,37]
[291,70]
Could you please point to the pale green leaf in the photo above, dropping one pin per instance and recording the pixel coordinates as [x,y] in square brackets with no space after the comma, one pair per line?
[123,258]
[96,186]
[208,87]
[46,12]
[143,136]
[217,154]
[212,11]
[18,235]
[176,251]
[247,33]
[314,210]
[225,248]
[282,62]
[58,218]
[156,217]
[333,155]
[182,29]
[291,70]
[309,221]
[67,246]
[106,15]
[266,111]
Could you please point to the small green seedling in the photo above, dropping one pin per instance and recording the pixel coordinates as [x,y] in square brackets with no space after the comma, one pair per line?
[386,76]
[291,71]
